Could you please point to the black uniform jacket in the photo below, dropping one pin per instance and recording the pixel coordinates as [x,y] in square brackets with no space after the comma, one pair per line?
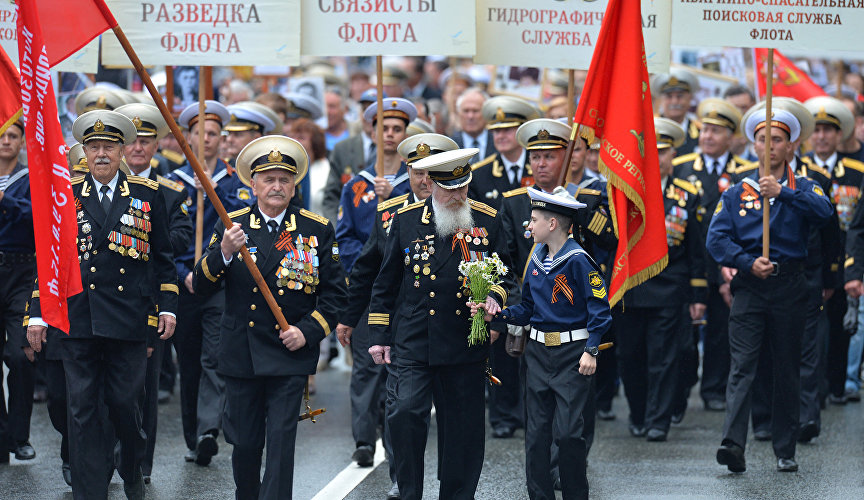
[418,304]
[489,181]
[309,291]
[180,228]
[126,262]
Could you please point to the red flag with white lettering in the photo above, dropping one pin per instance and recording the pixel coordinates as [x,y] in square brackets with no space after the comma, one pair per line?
[789,81]
[10,92]
[54,214]
[616,103]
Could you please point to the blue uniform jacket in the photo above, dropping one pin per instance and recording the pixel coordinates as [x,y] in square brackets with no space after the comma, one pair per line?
[735,234]
[230,190]
[572,295]
[16,214]
[357,211]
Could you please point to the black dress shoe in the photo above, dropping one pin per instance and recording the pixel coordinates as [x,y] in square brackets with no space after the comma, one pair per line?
[24,451]
[364,455]
[606,414]
[787,465]
[146,478]
[190,456]
[655,435]
[206,448]
[715,405]
[503,432]
[732,456]
[807,432]
[394,492]
[67,473]
[636,431]
[762,435]
[134,489]
[852,396]
[837,400]
[677,418]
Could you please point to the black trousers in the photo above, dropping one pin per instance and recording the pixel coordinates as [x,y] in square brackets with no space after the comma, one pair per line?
[647,348]
[113,368]
[202,398]
[368,391]
[506,407]
[168,374]
[55,388]
[766,314]
[838,343]
[261,411]
[16,286]
[556,395]
[459,388]
[150,403]
[715,348]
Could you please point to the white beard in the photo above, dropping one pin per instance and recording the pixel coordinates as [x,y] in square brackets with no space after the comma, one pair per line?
[449,220]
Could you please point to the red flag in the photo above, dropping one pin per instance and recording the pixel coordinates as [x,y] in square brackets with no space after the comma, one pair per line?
[789,81]
[73,24]
[10,92]
[54,214]
[616,103]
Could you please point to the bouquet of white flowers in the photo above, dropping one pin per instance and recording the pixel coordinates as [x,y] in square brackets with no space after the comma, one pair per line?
[481,275]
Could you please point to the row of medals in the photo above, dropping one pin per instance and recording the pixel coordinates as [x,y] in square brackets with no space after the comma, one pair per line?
[421,252]
[298,275]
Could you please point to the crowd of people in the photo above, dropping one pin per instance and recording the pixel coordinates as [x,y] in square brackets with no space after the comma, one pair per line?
[364,237]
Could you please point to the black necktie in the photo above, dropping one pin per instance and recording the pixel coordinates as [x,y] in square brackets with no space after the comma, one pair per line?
[479,156]
[514,179]
[273,225]
[371,155]
[106,201]
[716,167]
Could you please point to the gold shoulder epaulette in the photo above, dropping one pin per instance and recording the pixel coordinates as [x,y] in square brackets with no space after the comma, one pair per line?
[807,160]
[134,179]
[483,208]
[592,192]
[483,162]
[173,156]
[853,164]
[685,185]
[516,192]
[176,186]
[384,205]
[678,160]
[154,163]
[411,207]
[741,161]
[312,215]
[820,170]
[77,180]
[238,213]
[747,167]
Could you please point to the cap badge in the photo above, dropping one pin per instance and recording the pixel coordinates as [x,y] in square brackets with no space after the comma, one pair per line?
[100,102]
[423,149]
[137,122]
[274,156]
[673,81]
[98,126]
[394,104]
[458,171]
[233,118]
[499,115]
[543,135]
[822,114]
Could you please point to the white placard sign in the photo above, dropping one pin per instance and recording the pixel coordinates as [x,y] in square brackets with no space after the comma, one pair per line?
[195,33]
[560,34]
[388,27]
[787,24]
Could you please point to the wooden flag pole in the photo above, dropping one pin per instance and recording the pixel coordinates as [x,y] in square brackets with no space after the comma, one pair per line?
[199,171]
[840,74]
[575,130]
[766,157]
[379,120]
[169,88]
[571,95]
[199,198]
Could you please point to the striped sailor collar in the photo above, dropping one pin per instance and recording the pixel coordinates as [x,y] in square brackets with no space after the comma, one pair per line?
[401,175]
[569,249]
[189,178]
[17,173]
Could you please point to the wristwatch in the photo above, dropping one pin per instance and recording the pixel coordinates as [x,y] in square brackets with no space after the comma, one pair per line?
[594,351]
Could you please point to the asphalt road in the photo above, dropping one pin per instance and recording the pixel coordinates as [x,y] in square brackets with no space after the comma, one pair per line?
[619,466]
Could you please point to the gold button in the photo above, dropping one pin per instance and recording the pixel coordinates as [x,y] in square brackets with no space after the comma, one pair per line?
[255,290]
[432,294]
[92,269]
[281,292]
[120,288]
[251,323]
[252,307]
[276,327]
[458,295]
[92,286]
[431,312]
[122,271]
[95,252]
[458,312]
[432,277]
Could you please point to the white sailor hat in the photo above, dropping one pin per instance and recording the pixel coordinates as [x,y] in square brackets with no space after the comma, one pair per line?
[806,122]
[97,97]
[146,118]
[213,110]
[543,133]
[393,75]
[669,133]
[278,124]
[370,96]
[77,159]
[244,118]
[558,201]
[676,79]
[504,111]
[585,132]
[302,106]
[419,126]
[719,112]
[832,111]
[458,74]
[104,125]
[448,169]
[272,152]
[780,118]
[394,107]
[420,146]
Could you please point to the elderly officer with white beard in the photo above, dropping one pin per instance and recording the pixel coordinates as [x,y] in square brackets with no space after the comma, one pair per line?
[420,283]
